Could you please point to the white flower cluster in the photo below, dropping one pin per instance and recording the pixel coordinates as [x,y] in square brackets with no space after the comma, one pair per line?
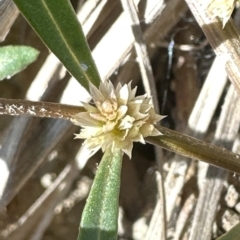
[117,118]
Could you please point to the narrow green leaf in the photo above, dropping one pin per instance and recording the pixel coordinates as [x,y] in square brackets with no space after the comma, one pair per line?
[100,215]
[233,234]
[14,59]
[57,25]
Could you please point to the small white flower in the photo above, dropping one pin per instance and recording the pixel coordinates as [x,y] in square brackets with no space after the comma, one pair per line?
[117,118]
[222,9]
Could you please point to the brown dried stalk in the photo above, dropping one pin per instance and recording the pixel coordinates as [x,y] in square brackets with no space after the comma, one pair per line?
[17,107]
[196,149]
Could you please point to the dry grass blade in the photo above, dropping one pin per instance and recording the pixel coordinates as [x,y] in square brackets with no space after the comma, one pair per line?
[225,41]
[141,51]
[211,191]
[160,19]
[45,203]
[9,13]
[208,99]
[150,88]
[21,163]
[197,126]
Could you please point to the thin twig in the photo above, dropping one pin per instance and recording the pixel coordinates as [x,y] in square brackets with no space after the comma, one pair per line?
[16,107]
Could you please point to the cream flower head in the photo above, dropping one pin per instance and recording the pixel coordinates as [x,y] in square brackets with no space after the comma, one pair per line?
[117,118]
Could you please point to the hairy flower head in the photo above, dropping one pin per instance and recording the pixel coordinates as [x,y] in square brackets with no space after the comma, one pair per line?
[222,9]
[117,118]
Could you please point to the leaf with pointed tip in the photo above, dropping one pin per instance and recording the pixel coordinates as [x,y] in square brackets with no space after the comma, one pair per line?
[14,59]
[100,215]
[57,25]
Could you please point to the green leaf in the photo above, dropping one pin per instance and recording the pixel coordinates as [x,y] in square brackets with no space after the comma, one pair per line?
[57,25]
[14,59]
[100,215]
[233,234]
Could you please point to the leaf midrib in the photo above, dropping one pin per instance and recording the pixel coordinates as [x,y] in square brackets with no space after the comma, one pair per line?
[62,36]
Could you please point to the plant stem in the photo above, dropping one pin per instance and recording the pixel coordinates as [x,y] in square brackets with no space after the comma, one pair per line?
[197,149]
[170,140]
[16,107]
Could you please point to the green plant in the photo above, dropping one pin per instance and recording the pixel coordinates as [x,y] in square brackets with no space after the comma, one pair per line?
[14,59]
[66,40]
